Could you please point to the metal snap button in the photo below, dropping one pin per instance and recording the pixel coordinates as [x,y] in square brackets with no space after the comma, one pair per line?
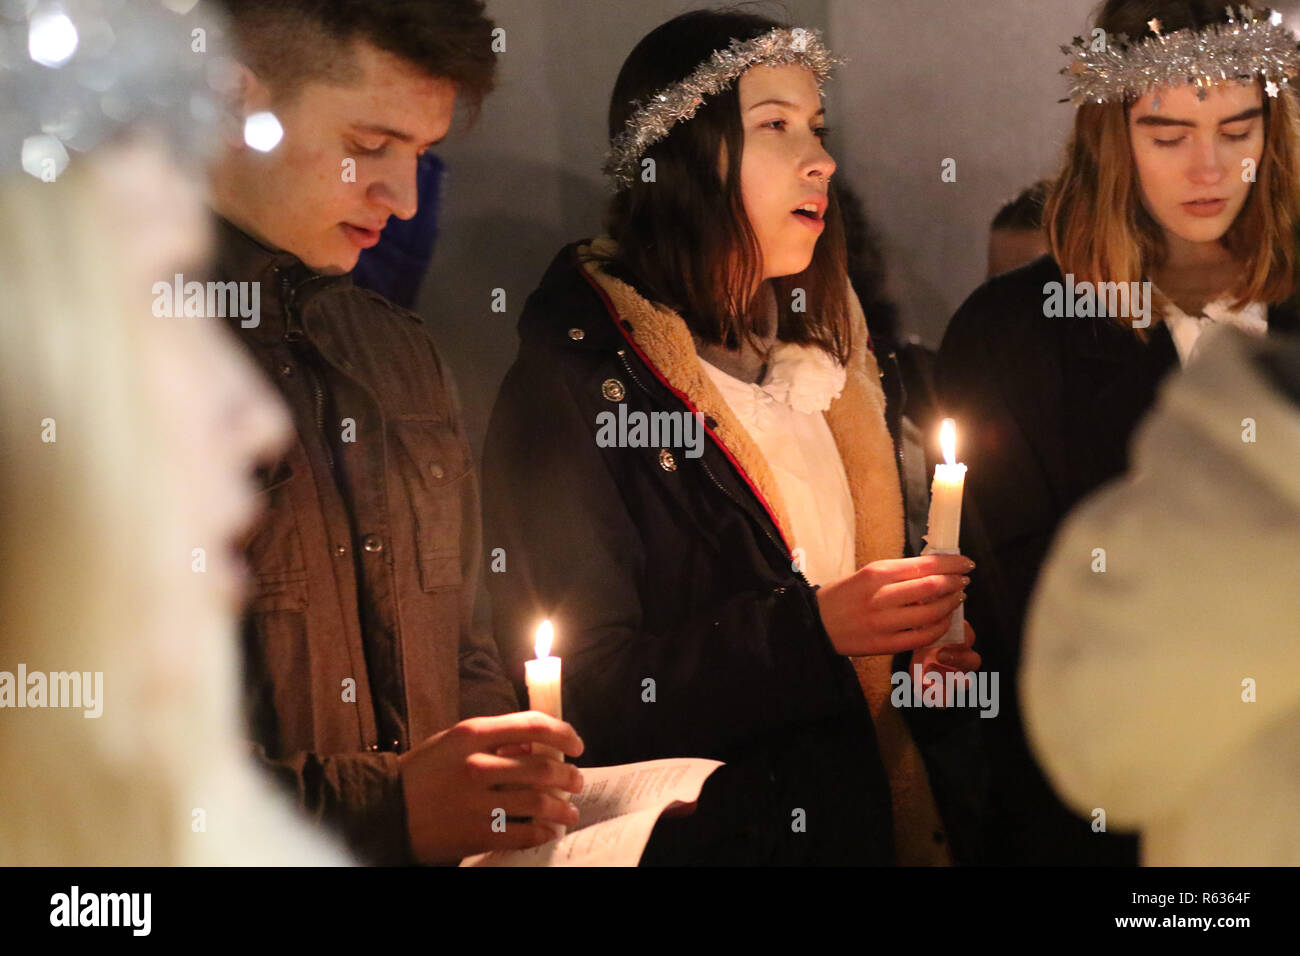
[372,543]
[436,470]
[613,390]
[666,460]
[577,334]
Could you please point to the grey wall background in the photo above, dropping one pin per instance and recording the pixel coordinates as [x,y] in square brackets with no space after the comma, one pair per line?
[978,85]
[971,80]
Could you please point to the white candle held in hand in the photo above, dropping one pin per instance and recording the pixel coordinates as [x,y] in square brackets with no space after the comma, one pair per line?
[945,516]
[543,679]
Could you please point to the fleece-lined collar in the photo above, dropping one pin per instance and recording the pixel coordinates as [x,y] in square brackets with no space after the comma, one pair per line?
[857,421]
[856,418]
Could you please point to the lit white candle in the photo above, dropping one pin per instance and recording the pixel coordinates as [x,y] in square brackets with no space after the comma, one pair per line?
[543,679]
[945,516]
[945,495]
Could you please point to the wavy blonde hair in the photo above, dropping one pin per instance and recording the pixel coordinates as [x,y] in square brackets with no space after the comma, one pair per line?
[1097,226]
[94,548]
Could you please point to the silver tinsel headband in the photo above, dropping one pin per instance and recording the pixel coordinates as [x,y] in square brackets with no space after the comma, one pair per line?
[651,122]
[1246,46]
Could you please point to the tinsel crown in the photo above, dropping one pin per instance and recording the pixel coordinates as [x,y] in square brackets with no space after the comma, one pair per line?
[1247,45]
[651,122]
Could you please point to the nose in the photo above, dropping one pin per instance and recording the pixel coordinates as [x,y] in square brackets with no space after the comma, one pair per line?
[1206,168]
[396,190]
[819,166]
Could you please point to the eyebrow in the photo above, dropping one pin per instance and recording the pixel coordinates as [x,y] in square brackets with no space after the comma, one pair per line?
[793,106]
[396,134]
[1167,121]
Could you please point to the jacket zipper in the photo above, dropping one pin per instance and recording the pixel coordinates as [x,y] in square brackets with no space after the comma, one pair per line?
[294,333]
[780,545]
[622,354]
[320,418]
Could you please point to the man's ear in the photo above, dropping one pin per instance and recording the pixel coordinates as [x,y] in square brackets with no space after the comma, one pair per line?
[241,93]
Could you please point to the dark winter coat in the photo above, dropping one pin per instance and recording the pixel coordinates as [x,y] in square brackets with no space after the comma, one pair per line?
[684,628]
[1044,408]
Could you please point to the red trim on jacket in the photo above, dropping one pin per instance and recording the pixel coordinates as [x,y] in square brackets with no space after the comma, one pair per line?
[618,324]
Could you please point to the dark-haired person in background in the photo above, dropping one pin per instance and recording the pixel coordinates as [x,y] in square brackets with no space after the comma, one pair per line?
[1047,392]
[1016,235]
[709,594]
[360,655]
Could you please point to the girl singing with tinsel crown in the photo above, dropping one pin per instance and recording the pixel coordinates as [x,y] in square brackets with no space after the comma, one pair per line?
[714,597]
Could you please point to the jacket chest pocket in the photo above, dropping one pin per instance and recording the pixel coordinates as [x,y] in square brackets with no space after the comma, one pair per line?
[434,464]
[275,552]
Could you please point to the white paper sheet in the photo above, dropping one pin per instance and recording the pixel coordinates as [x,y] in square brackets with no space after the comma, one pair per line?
[617,809]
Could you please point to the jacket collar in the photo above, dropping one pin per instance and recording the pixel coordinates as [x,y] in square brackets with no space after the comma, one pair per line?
[242,258]
[661,338]
[1102,339]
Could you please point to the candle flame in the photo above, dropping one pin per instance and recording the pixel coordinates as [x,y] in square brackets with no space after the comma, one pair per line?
[545,634]
[948,441]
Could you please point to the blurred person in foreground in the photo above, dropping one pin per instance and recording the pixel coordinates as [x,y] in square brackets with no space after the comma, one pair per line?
[1159,685]
[131,438]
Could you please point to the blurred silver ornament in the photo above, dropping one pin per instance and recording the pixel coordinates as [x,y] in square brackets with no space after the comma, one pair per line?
[76,73]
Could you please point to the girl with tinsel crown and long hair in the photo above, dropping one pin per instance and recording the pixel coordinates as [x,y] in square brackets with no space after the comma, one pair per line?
[689,470]
[1175,211]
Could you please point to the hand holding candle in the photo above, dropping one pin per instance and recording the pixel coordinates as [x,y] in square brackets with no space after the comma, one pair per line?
[945,517]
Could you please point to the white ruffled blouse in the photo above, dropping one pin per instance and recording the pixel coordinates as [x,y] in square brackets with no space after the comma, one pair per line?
[783,415]
[1186,329]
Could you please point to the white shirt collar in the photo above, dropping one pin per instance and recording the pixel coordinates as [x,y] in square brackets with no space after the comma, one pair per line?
[1186,330]
[804,377]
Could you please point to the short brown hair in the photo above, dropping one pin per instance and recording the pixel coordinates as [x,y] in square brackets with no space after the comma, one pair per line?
[1099,229]
[291,42]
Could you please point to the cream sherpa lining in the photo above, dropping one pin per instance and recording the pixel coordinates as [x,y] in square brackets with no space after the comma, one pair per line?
[856,418]
[857,421]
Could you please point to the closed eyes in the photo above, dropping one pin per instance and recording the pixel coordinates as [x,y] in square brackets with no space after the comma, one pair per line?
[1235,137]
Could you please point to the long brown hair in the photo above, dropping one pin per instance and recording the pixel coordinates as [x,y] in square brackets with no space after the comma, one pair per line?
[1099,229]
[685,238]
